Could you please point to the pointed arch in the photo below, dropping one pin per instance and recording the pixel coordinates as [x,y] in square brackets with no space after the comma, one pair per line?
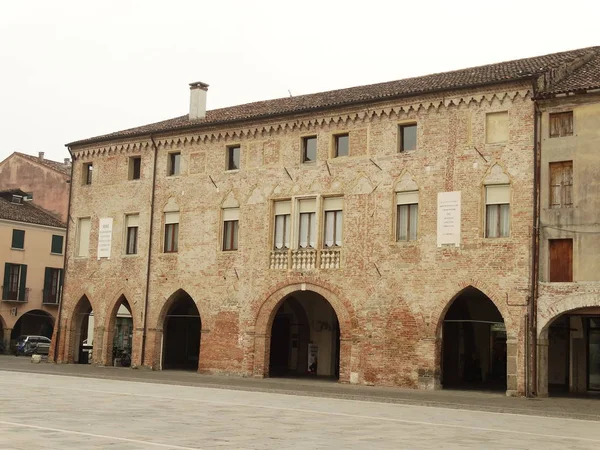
[78,320]
[110,320]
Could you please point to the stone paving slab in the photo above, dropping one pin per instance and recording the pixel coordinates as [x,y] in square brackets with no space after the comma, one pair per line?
[41,411]
[587,408]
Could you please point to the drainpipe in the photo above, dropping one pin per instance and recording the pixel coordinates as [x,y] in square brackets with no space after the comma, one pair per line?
[148,263]
[62,289]
[532,313]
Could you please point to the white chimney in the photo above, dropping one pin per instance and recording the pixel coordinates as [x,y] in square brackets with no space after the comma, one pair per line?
[67,162]
[198,100]
[41,156]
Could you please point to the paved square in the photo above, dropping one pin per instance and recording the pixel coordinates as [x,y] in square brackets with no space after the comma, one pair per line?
[59,412]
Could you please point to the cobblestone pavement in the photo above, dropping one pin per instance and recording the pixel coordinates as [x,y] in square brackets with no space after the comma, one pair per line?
[41,411]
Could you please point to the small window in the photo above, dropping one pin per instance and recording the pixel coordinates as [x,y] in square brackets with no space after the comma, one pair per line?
[18,239]
[87,173]
[408,137]
[135,167]
[15,279]
[171,232]
[497,211]
[309,149]
[52,285]
[83,236]
[496,127]
[561,184]
[174,163]
[57,244]
[307,224]
[131,238]
[561,260]
[332,208]
[561,124]
[281,239]
[233,157]
[342,145]
[231,224]
[407,215]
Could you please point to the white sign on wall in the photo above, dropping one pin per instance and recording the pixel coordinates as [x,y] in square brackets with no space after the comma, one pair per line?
[448,219]
[104,237]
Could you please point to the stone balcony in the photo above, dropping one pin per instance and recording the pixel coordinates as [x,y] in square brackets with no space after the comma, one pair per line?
[306,259]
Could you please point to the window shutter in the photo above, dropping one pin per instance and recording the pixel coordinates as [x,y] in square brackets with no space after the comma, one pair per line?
[307,205]
[22,282]
[57,244]
[133,220]
[47,283]
[61,274]
[283,208]
[407,198]
[6,280]
[230,214]
[497,194]
[333,204]
[171,217]
[18,239]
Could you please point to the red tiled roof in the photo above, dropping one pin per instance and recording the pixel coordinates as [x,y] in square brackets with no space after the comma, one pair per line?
[55,165]
[26,211]
[585,78]
[476,76]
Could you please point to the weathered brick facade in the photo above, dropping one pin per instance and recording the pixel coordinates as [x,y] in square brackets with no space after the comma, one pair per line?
[390,297]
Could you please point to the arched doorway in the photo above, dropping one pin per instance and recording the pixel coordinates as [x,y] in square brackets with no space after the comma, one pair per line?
[573,353]
[119,335]
[82,332]
[181,334]
[473,343]
[35,322]
[305,337]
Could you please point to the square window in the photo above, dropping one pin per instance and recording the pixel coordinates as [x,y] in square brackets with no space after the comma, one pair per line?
[233,157]
[561,124]
[342,145]
[309,149]
[87,173]
[408,137]
[57,244]
[135,167]
[18,239]
[496,127]
[174,163]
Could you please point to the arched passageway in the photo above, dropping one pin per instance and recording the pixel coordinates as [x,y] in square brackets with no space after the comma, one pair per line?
[572,362]
[82,332]
[473,343]
[305,337]
[181,334]
[119,335]
[35,322]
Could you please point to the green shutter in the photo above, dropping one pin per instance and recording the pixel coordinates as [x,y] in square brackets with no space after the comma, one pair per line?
[18,239]
[60,283]
[47,283]
[22,283]
[57,244]
[6,280]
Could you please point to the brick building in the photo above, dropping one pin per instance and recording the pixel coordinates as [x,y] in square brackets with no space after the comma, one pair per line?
[380,234]
[31,263]
[46,180]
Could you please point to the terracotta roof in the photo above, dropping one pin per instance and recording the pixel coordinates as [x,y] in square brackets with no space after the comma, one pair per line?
[489,74]
[55,165]
[584,78]
[26,211]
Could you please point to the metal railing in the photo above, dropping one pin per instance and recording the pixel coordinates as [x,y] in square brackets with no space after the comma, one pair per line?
[13,296]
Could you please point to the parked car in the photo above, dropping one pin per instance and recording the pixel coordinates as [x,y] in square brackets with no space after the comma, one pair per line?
[28,345]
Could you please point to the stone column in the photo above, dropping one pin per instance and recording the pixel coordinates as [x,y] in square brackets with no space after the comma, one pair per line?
[429,370]
[512,351]
[6,338]
[542,365]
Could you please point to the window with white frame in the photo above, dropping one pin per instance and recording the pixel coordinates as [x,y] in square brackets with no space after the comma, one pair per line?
[407,215]
[497,211]
[283,214]
[307,226]
[231,224]
[131,226]
[171,242]
[333,215]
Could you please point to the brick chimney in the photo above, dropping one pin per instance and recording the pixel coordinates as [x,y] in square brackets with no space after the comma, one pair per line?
[67,162]
[198,100]
[41,156]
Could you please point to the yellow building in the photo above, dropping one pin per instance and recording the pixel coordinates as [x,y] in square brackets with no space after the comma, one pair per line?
[31,258]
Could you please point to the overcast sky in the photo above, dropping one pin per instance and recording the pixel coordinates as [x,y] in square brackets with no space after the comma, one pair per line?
[76,69]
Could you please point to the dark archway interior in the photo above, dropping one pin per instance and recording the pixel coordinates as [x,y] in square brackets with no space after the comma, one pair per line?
[37,322]
[181,345]
[122,334]
[474,343]
[305,338]
[84,337]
